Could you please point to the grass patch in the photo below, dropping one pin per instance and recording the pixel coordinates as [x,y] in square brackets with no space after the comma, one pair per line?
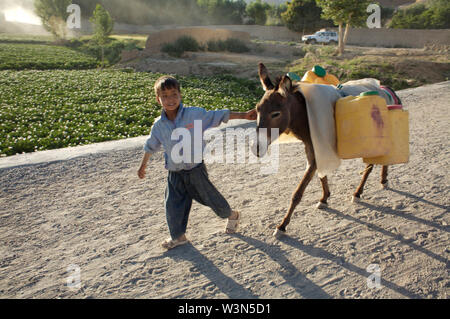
[25,38]
[19,56]
[42,110]
[112,49]
[39,53]
[138,39]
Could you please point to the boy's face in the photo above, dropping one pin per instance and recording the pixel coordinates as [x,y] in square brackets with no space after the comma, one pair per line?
[169,99]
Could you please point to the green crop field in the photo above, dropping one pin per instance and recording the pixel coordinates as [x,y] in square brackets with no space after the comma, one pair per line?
[20,56]
[42,110]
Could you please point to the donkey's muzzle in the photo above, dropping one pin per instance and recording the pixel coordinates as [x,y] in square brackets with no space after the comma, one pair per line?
[260,144]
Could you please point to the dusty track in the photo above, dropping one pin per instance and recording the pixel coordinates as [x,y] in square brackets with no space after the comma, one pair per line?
[94,212]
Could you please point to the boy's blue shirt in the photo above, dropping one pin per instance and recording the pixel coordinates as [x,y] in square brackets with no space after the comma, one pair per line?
[161,133]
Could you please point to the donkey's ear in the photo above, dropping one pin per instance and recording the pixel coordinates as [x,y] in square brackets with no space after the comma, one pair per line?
[285,86]
[264,78]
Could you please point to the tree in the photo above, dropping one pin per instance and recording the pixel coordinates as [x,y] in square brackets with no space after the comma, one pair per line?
[86,6]
[274,14]
[222,11]
[349,12]
[257,11]
[53,14]
[103,26]
[432,15]
[304,15]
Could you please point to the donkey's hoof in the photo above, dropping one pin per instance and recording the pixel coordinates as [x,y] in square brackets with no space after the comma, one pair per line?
[384,185]
[278,233]
[321,205]
[356,199]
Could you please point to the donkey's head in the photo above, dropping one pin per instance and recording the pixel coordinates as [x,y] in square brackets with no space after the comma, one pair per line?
[274,109]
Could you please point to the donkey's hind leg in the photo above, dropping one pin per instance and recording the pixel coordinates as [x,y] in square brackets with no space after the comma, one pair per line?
[384,173]
[326,193]
[359,190]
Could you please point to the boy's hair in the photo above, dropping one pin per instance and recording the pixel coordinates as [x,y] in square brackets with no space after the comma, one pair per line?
[166,82]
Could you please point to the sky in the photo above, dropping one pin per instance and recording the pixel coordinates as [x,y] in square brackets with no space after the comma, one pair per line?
[19,11]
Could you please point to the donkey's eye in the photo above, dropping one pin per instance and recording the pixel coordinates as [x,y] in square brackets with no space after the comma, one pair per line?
[275,114]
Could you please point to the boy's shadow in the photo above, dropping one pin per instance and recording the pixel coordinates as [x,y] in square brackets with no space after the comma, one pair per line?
[304,286]
[231,288]
[226,284]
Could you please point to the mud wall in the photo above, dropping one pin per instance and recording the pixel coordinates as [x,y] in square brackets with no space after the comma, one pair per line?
[360,36]
[398,37]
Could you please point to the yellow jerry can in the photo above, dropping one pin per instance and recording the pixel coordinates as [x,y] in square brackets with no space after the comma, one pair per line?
[318,75]
[362,128]
[398,120]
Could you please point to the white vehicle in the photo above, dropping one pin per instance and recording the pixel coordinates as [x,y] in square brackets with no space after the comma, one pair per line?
[321,37]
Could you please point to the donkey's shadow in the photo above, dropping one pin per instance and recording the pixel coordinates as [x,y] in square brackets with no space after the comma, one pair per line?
[399,237]
[416,198]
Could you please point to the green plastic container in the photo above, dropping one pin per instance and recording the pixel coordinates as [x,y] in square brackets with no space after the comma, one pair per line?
[293,76]
[369,93]
[319,71]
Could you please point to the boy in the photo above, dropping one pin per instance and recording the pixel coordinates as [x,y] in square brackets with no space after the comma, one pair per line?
[187,179]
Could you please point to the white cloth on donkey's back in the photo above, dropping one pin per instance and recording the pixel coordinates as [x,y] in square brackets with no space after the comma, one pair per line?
[320,102]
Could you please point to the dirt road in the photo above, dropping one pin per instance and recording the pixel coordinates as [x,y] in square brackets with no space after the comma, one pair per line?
[91,218]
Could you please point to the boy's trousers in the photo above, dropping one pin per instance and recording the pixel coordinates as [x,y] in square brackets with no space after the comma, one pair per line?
[184,186]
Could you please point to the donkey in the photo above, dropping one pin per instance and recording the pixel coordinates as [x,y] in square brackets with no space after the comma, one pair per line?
[284,107]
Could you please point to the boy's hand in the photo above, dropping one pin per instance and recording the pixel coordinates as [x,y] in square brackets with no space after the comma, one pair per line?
[251,115]
[141,172]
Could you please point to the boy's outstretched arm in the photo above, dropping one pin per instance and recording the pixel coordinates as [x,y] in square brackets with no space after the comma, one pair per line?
[250,115]
[141,171]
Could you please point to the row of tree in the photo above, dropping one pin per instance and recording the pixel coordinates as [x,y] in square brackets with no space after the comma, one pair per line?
[298,15]
[166,12]
[435,14]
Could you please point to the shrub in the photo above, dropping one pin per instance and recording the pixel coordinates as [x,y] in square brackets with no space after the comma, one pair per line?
[181,45]
[236,45]
[230,44]
[216,45]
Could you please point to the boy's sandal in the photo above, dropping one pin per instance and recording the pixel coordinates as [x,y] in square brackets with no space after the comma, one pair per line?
[233,224]
[170,243]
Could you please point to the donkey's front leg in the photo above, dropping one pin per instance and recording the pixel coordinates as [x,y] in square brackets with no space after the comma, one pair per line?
[296,198]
